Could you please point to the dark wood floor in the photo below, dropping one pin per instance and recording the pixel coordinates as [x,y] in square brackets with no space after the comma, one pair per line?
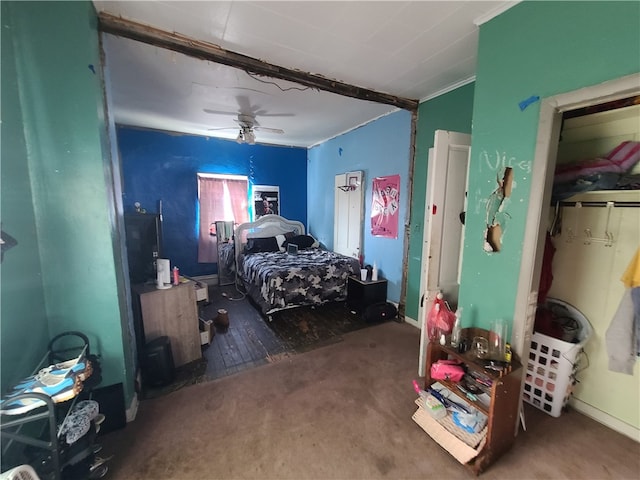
[253,340]
[246,343]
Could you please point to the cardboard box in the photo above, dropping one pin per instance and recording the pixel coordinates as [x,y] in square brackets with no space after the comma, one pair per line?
[202,292]
[206,331]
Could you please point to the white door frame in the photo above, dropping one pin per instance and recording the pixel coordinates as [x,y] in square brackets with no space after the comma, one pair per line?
[551,109]
[442,182]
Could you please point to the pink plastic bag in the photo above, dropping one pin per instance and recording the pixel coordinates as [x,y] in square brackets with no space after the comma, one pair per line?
[440,319]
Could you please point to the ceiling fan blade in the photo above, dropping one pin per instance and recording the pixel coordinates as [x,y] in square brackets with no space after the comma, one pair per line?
[222,128]
[263,113]
[270,130]
[218,112]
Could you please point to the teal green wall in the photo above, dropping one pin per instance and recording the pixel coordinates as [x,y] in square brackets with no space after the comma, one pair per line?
[534,48]
[69,170]
[23,320]
[451,111]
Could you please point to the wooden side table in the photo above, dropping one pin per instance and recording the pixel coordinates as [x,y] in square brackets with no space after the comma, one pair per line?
[174,313]
[361,294]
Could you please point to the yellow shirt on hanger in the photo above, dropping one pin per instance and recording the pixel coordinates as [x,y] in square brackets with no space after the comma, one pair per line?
[631,276]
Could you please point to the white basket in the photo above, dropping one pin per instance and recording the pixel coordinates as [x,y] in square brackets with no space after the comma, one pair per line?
[22,472]
[552,366]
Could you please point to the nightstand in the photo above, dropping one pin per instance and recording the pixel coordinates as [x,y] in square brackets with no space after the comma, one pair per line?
[361,294]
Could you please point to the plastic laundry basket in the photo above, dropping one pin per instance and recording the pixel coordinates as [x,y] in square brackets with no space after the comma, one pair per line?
[553,364]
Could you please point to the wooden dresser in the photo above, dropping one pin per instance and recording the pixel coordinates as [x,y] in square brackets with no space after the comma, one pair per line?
[172,312]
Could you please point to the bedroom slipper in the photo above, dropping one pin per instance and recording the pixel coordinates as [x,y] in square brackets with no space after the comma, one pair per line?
[18,407]
[48,379]
[52,374]
[48,384]
[79,366]
[98,421]
[78,422]
[62,391]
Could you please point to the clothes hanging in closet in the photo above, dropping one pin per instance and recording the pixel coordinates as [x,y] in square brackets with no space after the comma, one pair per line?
[623,335]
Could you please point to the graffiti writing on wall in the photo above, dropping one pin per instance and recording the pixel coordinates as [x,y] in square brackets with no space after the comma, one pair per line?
[500,161]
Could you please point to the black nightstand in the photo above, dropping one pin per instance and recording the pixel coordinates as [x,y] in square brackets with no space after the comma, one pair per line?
[361,294]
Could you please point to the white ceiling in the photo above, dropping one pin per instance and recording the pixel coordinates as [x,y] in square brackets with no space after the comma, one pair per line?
[414,49]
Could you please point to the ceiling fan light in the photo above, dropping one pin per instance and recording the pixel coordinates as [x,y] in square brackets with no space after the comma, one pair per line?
[250,138]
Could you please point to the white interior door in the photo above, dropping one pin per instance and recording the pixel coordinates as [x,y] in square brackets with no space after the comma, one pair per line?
[348,214]
[443,235]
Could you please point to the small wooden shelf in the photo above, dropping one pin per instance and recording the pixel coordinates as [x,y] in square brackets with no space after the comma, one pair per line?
[474,403]
[502,409]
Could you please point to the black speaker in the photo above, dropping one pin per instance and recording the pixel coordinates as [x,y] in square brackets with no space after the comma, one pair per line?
[157,362]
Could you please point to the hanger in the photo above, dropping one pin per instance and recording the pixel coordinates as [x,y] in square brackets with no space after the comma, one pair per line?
[556,224]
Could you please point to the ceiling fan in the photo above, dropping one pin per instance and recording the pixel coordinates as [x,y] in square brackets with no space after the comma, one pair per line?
[247,126]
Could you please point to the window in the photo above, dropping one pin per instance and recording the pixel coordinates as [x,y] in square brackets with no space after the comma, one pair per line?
[220,197]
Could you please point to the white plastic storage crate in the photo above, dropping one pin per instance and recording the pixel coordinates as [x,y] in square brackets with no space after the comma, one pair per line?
[552,365]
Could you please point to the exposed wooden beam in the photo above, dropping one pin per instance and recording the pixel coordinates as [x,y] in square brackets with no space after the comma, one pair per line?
[213,53]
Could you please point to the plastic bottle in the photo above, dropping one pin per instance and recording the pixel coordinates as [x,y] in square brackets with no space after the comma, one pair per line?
[455,333]
[374,273]
[176,276]
[507,353]
[431,404]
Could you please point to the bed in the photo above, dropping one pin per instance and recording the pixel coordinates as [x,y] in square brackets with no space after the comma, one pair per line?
[276,277]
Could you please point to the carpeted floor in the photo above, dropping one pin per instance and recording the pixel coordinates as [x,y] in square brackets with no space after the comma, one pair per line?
[189,374]
[342,411]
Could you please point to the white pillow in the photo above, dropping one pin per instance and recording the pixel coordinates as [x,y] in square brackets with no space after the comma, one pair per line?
[280,239]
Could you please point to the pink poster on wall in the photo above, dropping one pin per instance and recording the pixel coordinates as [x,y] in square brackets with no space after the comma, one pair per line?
[385,206]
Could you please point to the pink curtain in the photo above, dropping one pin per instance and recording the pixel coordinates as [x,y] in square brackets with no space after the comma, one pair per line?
[238,194]
[219,199]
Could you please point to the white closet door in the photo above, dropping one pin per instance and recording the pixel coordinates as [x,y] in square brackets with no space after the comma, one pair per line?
[348,214]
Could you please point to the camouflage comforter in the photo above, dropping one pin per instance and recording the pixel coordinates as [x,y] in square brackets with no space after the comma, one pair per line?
[278,280]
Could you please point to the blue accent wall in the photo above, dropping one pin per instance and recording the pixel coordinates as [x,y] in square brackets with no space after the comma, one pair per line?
[163,166]
[379,148]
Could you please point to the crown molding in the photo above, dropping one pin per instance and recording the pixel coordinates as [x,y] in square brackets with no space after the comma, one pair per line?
[485,17]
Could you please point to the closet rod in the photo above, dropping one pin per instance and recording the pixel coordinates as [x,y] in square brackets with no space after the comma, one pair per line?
[600,204]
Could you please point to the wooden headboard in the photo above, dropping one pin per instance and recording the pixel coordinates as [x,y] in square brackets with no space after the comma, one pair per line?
[266,226]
